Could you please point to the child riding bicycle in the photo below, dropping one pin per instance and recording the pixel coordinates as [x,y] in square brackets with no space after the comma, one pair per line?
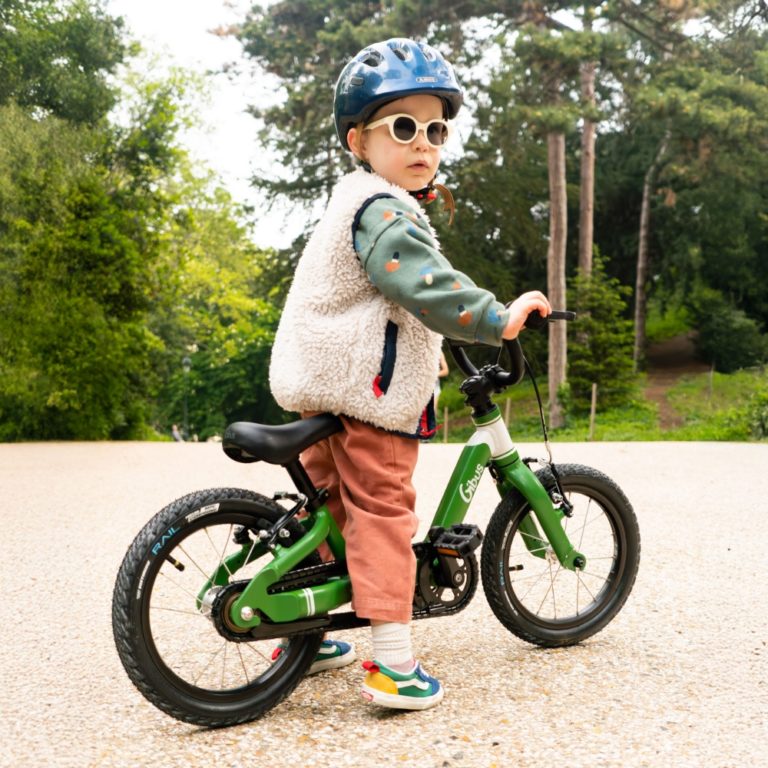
[360,337]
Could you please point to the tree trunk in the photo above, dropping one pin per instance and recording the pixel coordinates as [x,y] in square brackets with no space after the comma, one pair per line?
[587,188]
[558,231]
[643,259]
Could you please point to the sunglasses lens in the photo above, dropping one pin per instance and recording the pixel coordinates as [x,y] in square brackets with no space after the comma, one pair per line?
[437,134]
[404,129]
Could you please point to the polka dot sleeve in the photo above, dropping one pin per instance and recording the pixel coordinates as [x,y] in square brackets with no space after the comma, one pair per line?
[403,260]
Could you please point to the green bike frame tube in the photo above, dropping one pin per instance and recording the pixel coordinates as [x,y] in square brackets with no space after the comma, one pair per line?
[462,485]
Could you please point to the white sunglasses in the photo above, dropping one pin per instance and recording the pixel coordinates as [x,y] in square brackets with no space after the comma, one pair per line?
[404,129]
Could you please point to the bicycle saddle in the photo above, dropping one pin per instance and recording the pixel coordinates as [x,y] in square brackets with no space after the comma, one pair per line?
[246,441]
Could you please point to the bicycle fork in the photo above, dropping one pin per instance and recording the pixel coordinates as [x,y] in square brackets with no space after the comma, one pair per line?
[492,445]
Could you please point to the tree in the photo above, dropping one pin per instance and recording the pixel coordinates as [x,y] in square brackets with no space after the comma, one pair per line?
[57,58]
[601,353]
[221,313]
[76,351]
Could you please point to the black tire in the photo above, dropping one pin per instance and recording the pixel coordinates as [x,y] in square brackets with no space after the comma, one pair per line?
[166,636]
[535,597]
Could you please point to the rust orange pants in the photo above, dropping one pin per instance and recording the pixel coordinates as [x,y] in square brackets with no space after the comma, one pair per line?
[368,474]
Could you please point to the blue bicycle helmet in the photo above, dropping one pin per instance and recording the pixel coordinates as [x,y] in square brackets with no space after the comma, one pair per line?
[391,70]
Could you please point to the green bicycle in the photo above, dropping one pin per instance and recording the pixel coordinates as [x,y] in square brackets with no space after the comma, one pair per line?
[218,576]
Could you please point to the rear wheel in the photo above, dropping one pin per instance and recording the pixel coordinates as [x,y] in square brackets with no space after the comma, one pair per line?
[528,590]
[170,619]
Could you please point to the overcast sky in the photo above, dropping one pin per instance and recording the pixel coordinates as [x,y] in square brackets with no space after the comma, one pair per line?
[176,32]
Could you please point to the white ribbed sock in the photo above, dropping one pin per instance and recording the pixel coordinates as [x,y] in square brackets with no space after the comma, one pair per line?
[392,643]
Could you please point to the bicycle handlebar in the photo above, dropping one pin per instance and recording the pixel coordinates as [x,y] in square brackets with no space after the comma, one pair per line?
[516,372]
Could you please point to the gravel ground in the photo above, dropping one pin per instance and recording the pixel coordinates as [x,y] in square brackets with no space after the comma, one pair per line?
[678,679]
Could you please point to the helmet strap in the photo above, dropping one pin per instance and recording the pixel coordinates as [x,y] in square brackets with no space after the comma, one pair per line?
[429,194]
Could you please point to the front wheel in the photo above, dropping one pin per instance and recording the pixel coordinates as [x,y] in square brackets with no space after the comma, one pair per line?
[170,611]
[528,590]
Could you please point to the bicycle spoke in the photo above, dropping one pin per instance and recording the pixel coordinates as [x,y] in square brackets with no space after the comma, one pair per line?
[210,662]
[178,586]
[242,664]
[251,647]
[177,610]
[546,594]
[223,549]
[194,562]
[581,581]
[224,666]
[538,579]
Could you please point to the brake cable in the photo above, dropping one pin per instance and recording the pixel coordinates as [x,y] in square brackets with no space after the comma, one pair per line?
[567,509]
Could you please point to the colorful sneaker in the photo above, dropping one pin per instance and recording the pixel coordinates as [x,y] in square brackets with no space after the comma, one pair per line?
[332,654]
[409,690]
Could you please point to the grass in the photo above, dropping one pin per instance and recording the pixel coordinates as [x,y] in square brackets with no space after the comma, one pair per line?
[711,406]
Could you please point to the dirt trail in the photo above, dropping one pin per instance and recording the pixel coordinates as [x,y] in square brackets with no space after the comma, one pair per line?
[667,362]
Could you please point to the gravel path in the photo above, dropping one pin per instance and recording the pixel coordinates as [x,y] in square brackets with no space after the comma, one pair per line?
[680,678]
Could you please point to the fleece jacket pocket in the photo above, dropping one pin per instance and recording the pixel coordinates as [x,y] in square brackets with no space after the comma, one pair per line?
[384,378]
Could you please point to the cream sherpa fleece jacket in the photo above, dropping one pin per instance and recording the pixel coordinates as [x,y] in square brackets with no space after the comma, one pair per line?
[341,345]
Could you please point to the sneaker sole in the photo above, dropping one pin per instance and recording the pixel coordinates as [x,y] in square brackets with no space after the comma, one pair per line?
[334,662]
[398,701]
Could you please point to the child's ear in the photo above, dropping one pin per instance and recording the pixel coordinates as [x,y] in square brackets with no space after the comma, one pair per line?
[355,142]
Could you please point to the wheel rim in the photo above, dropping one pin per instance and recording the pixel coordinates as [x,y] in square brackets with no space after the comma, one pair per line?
[179,633]
[547,594]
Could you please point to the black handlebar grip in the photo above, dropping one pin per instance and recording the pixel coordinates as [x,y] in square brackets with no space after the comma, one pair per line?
[535,320]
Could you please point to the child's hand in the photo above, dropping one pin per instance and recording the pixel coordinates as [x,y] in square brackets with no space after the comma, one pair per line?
[521,307]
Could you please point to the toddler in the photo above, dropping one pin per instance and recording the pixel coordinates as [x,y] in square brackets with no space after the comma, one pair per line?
[360,337]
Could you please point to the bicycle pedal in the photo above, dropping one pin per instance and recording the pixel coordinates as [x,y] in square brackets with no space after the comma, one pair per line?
[459,540]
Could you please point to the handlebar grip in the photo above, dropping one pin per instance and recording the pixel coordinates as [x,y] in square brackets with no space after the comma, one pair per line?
[535,320]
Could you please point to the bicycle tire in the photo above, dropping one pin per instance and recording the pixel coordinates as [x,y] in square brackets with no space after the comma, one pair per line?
[162,631]
[523,588]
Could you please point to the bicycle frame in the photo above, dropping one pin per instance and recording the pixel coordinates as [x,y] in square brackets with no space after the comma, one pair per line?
[489,446]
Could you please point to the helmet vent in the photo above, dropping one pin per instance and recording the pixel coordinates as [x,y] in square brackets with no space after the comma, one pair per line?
[372,59]
[428,51]
[401,49]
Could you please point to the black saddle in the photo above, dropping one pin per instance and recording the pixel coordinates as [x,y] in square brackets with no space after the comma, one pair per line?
[246,441]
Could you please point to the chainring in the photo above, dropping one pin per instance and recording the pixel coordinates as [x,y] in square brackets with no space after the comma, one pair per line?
[444,585]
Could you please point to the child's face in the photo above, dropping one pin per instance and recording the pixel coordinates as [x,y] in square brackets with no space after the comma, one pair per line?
[411,166]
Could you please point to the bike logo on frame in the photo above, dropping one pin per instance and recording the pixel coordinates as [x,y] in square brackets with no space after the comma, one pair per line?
[467,490]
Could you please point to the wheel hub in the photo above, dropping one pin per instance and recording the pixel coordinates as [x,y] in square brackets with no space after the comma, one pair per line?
[221,612]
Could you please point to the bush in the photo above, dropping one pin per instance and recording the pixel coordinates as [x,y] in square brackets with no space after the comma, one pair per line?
[757,414]
[727,338]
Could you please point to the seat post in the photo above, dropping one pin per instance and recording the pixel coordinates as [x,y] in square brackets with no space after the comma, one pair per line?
[315,496]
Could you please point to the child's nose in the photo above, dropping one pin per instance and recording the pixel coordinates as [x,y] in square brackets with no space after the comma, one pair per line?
[420,142]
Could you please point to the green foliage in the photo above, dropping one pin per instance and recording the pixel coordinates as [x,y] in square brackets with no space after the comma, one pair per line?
[665,321]
[74,290]
[57,58]
[600,344]
[726,338]
[757,413]
[717,406]
[219,315]
[451,398]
